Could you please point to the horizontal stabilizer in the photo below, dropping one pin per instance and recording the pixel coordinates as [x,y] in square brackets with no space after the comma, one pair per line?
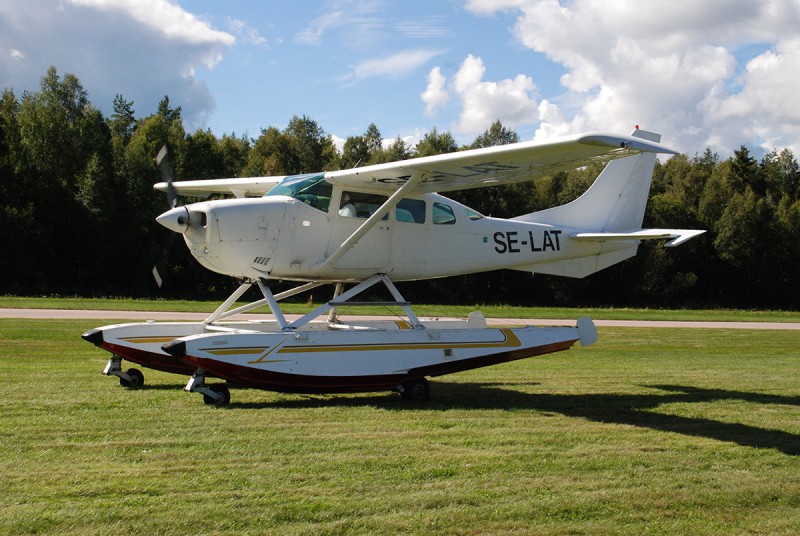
[676,236]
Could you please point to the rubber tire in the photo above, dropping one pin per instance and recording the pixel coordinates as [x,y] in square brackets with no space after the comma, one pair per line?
[417,391]
[219,388]
[137,378]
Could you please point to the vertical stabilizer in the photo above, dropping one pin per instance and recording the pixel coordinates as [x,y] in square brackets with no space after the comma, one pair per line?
[615,202]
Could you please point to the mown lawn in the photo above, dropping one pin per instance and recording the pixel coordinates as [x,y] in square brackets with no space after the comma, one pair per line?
[646,432]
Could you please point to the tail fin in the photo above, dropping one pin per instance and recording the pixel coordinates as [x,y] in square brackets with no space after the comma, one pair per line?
[615,202]
[611,211]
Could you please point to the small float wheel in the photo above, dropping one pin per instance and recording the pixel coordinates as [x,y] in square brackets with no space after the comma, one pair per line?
[220,389]
[136,378]
[417,391]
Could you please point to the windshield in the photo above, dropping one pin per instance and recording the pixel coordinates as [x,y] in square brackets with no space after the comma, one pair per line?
[311,189]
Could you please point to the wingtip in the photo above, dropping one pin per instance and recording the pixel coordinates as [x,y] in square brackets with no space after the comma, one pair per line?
[639,142]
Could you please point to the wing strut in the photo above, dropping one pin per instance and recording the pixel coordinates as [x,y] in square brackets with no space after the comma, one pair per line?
[359,233]
[342,299]
[222,311]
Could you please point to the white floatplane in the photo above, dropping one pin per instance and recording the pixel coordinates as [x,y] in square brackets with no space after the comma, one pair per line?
[379,225]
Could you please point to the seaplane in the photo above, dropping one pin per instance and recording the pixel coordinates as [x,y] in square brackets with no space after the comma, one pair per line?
[380,225]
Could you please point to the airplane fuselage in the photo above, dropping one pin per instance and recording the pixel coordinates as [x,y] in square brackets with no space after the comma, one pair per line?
[290,237]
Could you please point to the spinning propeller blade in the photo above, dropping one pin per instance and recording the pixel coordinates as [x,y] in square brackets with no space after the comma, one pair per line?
[165,168]
[161,265]
[162,160]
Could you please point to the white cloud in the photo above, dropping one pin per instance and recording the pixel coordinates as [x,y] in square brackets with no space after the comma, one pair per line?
[432,27]
[512,101]
[394,66]
[312,35]
[245,33]
[488,7]
[676,67]
[338,142]
[553,124]
[164,17]
[356,21]
[142,49]
[435,94]
[768,106]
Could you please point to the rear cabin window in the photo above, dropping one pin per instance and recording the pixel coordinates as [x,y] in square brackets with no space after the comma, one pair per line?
[410,211]
[473,215]
[443,214]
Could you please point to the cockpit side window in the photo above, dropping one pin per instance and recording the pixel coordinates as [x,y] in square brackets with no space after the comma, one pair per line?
[313,190]
[360,204]
[346,206]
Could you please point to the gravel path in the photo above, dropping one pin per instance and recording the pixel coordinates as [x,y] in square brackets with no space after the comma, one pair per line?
[65,314]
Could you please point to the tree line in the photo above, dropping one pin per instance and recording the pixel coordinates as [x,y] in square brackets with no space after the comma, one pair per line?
[78,209]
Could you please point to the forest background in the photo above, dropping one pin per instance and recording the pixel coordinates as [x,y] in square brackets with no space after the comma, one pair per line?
[78,209]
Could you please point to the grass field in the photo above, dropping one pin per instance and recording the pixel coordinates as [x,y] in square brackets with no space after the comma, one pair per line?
[646,432]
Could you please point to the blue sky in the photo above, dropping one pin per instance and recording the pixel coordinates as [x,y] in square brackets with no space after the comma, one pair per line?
[356,69]
[719,73]
[348,64]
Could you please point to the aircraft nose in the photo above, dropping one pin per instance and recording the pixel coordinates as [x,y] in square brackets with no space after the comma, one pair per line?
[176,219]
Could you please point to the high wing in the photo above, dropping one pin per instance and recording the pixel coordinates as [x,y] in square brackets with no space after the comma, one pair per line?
[248,187]
[476,168]
[491,166]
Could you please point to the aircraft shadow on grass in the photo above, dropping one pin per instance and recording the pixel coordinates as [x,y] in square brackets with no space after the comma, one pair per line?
[157,387]
[629,409]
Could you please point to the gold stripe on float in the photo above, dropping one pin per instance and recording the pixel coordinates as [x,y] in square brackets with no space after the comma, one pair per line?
[510,341]
[149,340]
[234,351]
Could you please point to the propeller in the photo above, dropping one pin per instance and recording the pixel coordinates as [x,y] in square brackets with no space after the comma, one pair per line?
[163,163]
[164,167]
